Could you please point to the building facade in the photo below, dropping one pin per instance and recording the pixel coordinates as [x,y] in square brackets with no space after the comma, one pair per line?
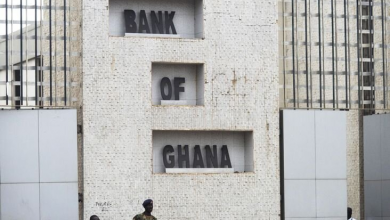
[214,109]
[240,93]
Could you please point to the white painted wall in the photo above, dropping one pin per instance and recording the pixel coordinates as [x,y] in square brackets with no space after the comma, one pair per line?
[377,167]
[38,163]
[315,176]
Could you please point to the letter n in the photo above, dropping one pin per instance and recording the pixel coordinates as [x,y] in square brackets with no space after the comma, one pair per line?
[157,23]
[211,157]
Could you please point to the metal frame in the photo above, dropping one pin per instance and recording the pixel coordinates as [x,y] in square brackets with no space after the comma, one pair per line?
[343,81]
[47,41]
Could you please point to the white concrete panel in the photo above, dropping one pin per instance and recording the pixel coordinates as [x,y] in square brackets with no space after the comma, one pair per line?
[20,201]
[372,198]
[372,147]
[59,201]
[385,147]
[19,146]
[299,144]
[235,142]
[300,198]
[331,198]
[386,198]
[184,19]
[58,145]
[331,137]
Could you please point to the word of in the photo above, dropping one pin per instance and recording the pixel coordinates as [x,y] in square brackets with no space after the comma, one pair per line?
[143,25]
[176,83]
[183,156]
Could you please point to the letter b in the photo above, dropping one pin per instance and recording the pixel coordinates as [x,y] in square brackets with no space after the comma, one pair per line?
[131,26]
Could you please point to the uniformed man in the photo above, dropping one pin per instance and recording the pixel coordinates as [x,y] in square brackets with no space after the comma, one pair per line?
[147,214]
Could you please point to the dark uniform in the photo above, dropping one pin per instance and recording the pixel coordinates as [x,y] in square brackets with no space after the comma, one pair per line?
[142,216]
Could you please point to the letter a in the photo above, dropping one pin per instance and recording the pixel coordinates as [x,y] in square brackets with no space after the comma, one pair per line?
[143,23]
[225,158]
[198,159]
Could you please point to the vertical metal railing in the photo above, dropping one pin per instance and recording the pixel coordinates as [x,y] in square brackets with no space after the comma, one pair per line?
[334,54]
[40,53]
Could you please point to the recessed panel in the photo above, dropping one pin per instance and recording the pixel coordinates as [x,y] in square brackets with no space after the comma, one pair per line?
[202,149]
[151,18]
[177,84]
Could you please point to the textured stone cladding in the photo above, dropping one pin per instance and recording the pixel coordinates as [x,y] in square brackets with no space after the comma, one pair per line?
[239,53]
[355,162]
